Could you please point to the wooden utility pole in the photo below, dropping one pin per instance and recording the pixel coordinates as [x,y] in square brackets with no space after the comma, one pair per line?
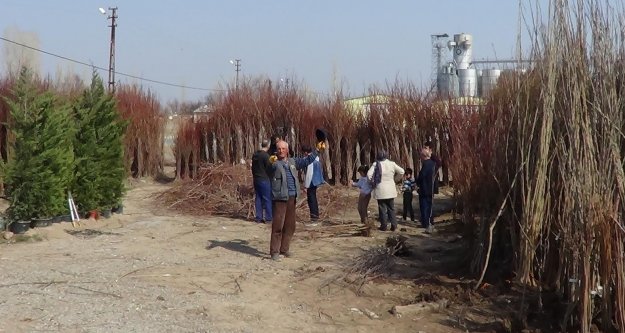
[113,17]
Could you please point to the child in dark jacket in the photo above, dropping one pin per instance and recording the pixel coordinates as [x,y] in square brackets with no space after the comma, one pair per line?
[407,187]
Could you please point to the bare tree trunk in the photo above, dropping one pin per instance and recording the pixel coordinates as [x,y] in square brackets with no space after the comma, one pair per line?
[215,158]
[239,144]
[357,158]
[206,146]
[140,167]
[349,162]
[178,165]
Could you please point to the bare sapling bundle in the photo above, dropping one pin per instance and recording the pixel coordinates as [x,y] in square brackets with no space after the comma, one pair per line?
[546,199]
[398,120]
[144,137]
[187,149]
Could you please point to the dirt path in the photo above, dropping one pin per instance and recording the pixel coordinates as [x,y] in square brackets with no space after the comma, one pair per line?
[151,272]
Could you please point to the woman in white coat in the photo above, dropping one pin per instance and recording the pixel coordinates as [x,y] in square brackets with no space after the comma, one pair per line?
[382,175]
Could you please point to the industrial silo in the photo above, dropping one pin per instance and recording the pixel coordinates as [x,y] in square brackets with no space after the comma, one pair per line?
[447,82]
[488,81]
[467,81]
[462,47]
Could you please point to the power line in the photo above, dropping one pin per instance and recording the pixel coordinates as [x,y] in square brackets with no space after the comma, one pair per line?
[105,69]
[124,74]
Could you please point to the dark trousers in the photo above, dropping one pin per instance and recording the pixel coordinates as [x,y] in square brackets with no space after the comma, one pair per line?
[262,189]
[408,206]
[313,204]
[363,203]
[283,226]
[425,206]
[387,212]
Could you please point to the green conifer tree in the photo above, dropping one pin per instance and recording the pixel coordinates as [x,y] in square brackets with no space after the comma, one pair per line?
[40,169]
[100,172]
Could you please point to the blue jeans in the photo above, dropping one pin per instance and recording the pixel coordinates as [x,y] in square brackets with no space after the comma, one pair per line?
[262,189]
[425,207]
[313,204]
[386,208]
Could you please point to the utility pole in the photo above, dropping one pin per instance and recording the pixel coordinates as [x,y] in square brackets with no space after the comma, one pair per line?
[112,17]
[237,68]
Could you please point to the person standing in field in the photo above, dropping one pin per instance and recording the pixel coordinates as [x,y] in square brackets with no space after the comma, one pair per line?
[407,187]
[364,185]
[262,185]
[437,160]
[382,175]
[312,180]
[426,183]
[284,191]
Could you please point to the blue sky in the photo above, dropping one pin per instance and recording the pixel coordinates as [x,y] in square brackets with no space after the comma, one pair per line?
[321,42]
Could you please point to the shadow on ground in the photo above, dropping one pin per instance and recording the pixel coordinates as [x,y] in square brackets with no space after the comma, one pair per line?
[237,245]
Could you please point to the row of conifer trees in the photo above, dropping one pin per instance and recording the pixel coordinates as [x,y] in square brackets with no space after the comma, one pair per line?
[56,146]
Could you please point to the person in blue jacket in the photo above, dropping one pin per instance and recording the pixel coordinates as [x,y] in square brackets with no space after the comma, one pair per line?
[312,180]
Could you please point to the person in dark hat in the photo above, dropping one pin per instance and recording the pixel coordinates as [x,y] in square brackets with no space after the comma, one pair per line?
[272,144]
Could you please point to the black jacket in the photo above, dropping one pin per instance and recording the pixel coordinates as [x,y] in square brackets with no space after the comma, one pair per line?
[260,164]
[426,180]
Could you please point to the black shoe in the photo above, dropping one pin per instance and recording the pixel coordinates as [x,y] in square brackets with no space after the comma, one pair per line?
[393,227]
[381,228]
[288,254]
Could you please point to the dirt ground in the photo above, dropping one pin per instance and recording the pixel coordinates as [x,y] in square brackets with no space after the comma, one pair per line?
[153,270]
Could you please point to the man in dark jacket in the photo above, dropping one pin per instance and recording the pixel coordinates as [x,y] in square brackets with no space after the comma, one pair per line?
[439,163]
[262,185]
[426,182]
[284,191]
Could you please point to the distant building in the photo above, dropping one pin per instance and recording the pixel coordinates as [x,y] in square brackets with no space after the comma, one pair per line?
[365,104]
[202,113]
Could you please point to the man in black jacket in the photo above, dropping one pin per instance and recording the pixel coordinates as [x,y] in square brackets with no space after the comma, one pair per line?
[426,182]
[439,163]
[262,184]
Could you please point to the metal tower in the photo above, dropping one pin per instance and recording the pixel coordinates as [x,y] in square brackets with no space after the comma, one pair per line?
[439,48]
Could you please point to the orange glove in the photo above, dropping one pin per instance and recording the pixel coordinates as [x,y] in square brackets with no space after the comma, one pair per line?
[273,159]
[321,146]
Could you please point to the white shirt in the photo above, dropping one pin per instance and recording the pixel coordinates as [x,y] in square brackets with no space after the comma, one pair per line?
[386,189]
